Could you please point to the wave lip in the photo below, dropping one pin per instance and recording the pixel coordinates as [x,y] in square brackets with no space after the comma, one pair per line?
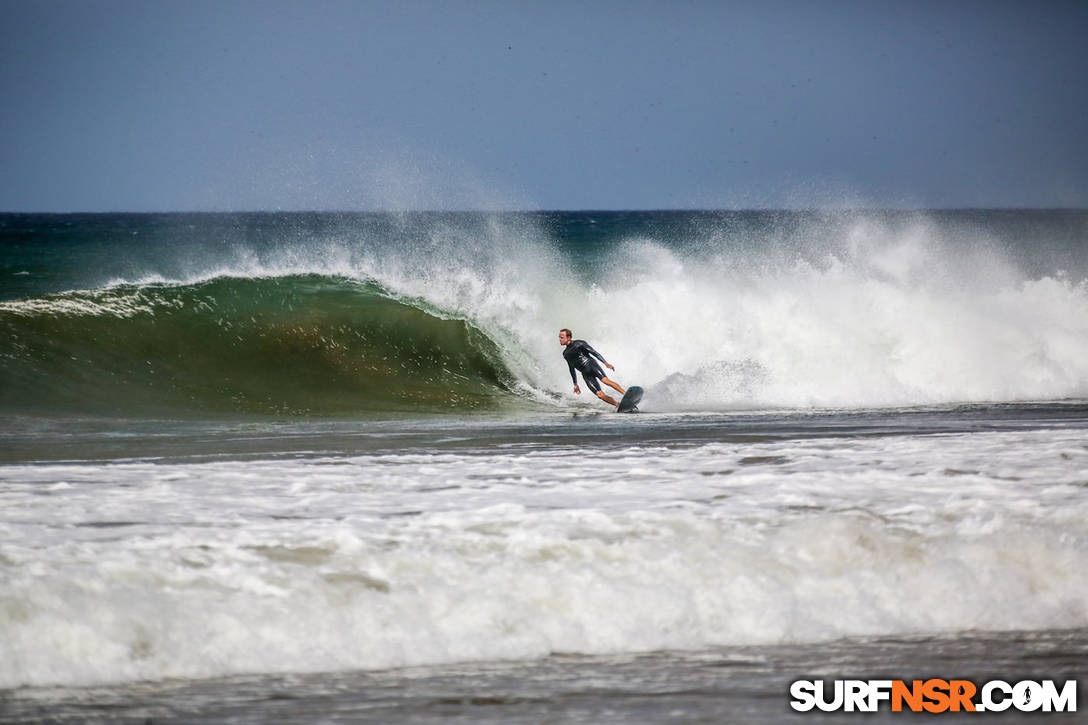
[296,344]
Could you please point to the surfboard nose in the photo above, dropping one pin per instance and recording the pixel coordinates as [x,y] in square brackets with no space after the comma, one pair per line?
[630,401]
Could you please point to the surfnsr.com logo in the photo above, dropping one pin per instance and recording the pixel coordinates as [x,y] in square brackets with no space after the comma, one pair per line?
[933,696]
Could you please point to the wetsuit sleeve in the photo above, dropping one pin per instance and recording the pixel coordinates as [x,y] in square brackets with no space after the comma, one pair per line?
[594,353]
[573,379]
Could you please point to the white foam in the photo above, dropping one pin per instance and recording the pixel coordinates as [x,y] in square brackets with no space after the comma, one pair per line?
[88,303]
[897,321]
[147,571]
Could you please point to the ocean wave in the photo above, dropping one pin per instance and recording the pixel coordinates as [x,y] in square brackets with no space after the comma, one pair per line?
[296,344]
[706,312]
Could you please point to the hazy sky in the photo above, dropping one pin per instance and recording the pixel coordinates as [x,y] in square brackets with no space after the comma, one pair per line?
[236,105]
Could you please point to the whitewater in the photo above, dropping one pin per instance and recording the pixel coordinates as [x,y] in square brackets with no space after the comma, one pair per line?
[328,465]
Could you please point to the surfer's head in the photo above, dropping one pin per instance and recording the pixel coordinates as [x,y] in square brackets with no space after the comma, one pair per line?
[564,336]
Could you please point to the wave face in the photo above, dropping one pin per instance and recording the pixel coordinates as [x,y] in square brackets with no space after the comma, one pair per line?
[287,345]
[325,313]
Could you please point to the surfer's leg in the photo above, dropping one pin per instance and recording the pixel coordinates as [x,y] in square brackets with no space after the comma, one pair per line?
[593,382]
[613,385]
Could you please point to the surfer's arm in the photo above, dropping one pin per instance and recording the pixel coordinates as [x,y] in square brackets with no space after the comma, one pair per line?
[573,378]
[599,356]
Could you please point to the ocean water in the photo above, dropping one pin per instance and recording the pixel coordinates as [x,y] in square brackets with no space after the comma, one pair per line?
[330,467]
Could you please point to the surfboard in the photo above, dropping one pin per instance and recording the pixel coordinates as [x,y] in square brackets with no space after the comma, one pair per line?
[629,403]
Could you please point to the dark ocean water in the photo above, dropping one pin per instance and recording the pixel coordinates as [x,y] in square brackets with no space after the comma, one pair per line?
[303,467]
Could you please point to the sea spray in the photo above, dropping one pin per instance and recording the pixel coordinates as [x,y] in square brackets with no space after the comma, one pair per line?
[876,319]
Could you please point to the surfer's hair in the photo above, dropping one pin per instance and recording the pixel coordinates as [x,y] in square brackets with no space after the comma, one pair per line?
[567,330]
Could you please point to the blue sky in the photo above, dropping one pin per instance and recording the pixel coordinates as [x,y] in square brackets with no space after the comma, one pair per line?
[230,105]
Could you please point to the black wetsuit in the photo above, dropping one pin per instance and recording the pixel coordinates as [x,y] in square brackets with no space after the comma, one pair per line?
[577,355]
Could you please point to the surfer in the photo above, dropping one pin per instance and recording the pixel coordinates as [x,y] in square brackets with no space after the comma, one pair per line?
[577,354]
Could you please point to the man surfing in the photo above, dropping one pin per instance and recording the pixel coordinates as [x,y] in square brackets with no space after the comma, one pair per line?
[577,354]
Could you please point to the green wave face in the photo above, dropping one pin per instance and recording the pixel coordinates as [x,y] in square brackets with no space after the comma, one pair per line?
[298,345]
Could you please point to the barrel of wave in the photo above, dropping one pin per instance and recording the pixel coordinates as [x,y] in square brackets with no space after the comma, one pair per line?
[297,345]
